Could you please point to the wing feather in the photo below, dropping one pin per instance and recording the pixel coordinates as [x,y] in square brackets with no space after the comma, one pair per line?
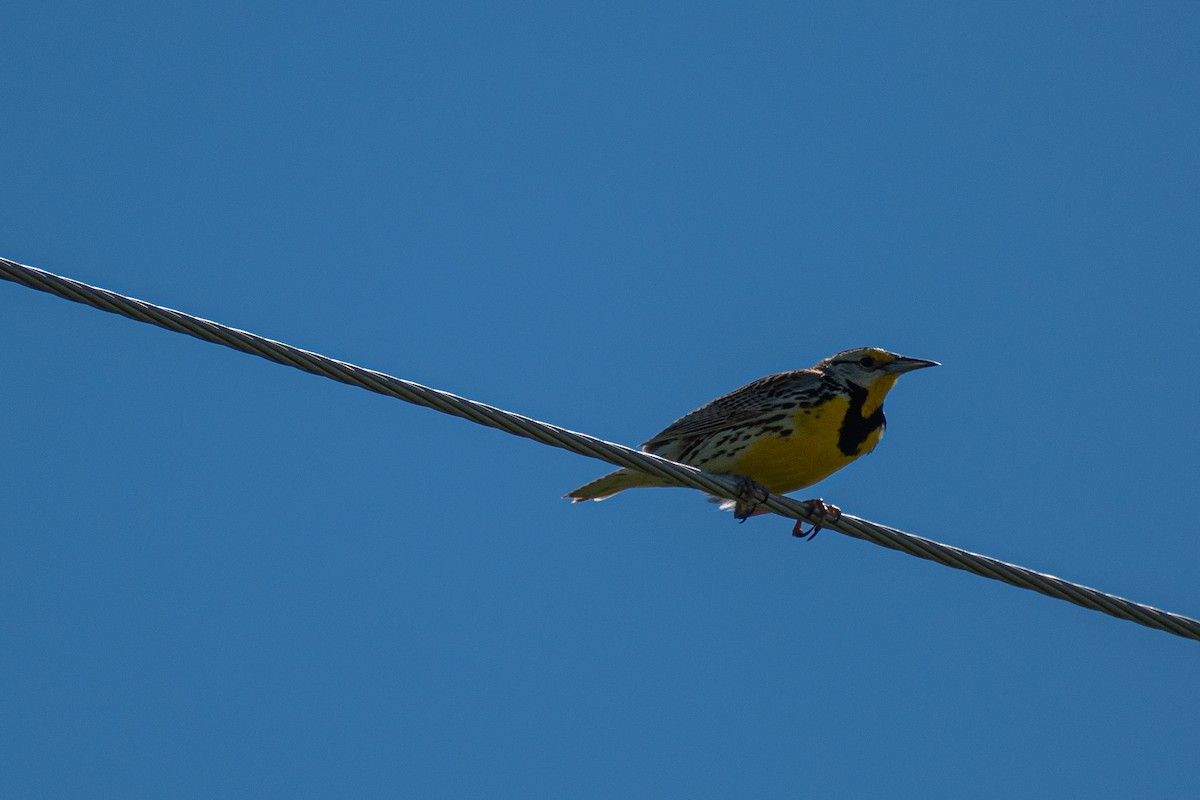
[755,399]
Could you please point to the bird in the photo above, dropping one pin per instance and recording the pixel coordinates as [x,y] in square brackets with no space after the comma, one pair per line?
[778,434]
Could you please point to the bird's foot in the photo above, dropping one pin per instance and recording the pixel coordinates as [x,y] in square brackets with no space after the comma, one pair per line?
[822,513]
[750,494]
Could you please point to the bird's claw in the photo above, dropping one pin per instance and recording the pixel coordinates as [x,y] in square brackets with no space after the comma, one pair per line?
[821,513]
[750,495]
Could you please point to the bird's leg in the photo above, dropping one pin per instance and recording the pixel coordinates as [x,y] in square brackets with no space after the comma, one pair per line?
[750,494]
[821,512]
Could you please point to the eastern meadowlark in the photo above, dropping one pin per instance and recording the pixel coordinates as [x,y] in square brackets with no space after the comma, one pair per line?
[780,433]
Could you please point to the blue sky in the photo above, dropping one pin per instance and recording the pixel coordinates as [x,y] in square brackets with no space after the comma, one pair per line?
[223,578]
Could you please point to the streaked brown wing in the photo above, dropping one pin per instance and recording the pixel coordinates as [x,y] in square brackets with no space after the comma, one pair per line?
[741,405]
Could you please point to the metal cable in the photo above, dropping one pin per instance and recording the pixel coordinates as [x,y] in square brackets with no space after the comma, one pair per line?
[680,474]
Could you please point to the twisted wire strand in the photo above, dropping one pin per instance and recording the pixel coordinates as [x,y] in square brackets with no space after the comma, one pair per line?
[619,455]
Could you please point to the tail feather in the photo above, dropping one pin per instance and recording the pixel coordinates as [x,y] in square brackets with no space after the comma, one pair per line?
[608,485]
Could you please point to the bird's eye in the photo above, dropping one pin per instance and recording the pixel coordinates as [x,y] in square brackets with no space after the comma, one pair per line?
[867,361]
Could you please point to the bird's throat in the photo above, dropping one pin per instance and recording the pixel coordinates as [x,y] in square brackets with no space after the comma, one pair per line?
[864,420]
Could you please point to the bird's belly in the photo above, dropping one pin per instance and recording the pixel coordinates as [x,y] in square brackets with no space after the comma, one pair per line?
[786,461]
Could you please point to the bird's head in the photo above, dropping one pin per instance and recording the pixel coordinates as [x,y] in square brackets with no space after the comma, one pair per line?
[871,368]
[865,365]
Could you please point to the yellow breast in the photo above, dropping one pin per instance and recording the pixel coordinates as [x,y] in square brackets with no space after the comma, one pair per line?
[809,454]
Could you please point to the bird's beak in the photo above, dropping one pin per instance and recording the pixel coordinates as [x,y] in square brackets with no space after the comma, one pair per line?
[904,364]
